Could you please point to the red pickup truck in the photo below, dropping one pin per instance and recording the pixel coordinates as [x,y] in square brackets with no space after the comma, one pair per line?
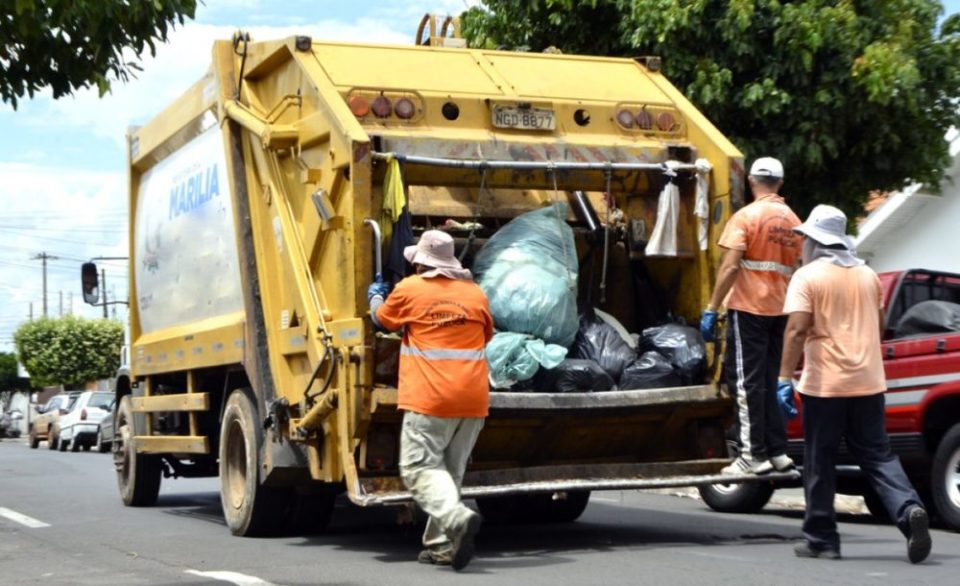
[921,352]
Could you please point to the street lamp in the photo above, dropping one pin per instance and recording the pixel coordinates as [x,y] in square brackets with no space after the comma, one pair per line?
[91,281]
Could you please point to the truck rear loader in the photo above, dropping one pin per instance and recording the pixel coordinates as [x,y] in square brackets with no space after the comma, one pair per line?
[255,200]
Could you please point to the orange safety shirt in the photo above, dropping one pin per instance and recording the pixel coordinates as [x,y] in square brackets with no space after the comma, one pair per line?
[763,230]
[842,356]
[443,367]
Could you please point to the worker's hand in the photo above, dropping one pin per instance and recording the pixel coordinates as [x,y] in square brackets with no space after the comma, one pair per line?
[378,288]
[708,324]
[785,398]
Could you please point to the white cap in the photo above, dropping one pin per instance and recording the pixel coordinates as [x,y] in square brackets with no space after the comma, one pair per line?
[767,167]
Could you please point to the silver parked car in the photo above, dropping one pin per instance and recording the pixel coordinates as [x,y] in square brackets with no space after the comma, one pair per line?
[105,432]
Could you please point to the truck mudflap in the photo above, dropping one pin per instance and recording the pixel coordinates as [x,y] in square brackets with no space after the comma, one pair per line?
[557,442]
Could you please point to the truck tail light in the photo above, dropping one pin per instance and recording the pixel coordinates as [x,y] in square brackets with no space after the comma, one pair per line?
[665,121]
[83,415]
[359,106]
[404,109]
[644,120]
[381,107]
[625,118]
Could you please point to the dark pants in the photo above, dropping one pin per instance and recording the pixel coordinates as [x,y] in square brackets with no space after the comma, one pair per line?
[752,362]
[860,420]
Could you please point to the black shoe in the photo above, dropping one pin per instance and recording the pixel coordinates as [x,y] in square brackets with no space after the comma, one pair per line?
[918,535]
[435,558]
[805,550]
[463,542]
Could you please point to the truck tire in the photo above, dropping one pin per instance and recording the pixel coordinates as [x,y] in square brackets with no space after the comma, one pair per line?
[138,475]
[749,497]
[945,478]
[249,507]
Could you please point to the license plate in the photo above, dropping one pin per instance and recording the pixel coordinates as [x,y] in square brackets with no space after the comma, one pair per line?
[524,118]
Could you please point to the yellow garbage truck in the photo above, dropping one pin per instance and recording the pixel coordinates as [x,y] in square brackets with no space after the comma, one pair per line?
[256,204]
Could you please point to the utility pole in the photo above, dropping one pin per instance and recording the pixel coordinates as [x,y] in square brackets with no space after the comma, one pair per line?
[103,287]
[31,311]
[45,257]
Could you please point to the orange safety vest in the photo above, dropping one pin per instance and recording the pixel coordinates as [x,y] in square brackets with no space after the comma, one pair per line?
[764,232]
[443,366]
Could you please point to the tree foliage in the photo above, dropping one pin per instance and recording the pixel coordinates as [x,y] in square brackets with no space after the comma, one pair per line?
[71,44]
[9,380]
[852,96]
[69,351]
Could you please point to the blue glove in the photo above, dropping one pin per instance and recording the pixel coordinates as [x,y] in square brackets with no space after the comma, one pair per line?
[785,399]
[708,324]
[378,288]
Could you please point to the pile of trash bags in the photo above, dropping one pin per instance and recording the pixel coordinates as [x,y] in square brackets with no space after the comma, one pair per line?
[528,270]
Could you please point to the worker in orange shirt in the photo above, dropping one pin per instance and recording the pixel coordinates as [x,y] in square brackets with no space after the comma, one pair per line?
[761,254]
[835,304]
[443,388]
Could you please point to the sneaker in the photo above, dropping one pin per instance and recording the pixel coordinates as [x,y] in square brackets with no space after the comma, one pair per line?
[918,535]
[782,463]
[805,550]
[744,466]
[463,542]
[436,558]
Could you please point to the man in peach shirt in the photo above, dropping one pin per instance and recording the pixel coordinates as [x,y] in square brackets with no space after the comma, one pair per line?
[835,307]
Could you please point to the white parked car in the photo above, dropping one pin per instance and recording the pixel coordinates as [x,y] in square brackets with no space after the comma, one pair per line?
[78,427]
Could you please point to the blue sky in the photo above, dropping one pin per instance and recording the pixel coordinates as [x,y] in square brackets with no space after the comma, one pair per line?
[62,163]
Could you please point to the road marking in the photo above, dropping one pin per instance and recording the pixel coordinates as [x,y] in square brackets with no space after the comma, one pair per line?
[22,519]
[232,577]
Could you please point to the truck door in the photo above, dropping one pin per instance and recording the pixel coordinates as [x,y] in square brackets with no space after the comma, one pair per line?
[917,356]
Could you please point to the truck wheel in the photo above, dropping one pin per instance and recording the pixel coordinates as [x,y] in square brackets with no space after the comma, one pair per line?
[249,507]
[138,475]
[737,498]
[34,440]
[945,477]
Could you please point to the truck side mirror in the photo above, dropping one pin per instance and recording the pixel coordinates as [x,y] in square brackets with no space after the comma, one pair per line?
[90,280]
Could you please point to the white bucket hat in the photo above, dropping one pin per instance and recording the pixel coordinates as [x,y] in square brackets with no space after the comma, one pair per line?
[828,226]
[435,249]
[767,167]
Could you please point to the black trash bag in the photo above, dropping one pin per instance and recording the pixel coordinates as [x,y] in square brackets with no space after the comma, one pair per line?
[683,346]
[599,341]
[650,371]
[574,375]
[929,317]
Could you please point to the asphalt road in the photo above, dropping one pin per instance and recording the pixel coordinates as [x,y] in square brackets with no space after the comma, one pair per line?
[627,537]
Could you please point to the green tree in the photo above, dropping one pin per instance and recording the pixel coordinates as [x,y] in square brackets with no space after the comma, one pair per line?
[70,44]
[852,96]
[69,351]
[9,381]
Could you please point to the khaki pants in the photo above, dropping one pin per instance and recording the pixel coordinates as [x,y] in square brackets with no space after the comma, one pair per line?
[433,457]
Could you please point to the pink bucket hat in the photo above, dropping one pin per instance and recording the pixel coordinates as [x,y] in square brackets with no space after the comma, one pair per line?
[435,249]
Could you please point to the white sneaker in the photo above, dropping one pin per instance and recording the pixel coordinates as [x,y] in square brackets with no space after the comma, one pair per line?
[782,463]
[744,466]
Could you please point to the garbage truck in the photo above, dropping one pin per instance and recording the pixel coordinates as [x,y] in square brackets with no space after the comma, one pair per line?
[258,218]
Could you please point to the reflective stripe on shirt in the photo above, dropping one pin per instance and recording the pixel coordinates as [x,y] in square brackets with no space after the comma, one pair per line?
[767,266]
[442,353]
